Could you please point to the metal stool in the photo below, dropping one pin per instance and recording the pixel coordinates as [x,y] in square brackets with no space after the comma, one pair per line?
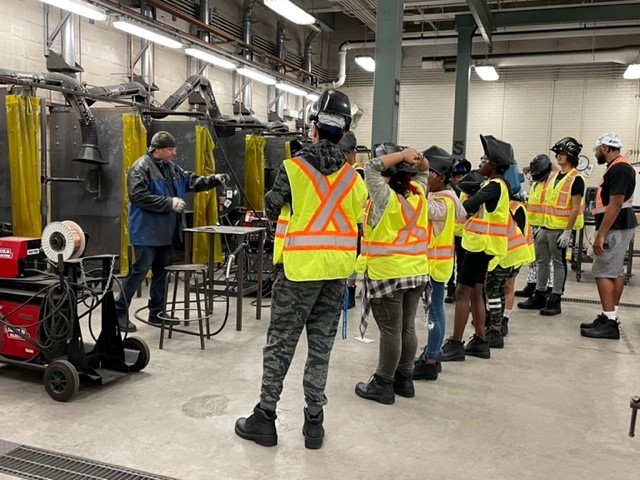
[190,274]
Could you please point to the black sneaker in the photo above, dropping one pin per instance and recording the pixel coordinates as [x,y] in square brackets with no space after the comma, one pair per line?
[505,327]
[155,320]
[477,347]
[377,389]
[599,319]
[313,430]
[553,306]
[125,323]
[605,329]
[452,351]
[451,296]
[260,427]
[494,338]
[403,385]
[424,370]
[527,291]
[351,297]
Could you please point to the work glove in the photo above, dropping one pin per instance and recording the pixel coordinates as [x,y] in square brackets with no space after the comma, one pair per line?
[178,205]
[564,239]
[222,178]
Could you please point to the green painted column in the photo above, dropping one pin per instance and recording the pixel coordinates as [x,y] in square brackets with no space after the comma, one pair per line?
[386,82]
[465,29]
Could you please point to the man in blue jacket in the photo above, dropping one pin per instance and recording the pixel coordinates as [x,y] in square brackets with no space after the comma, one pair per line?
[156,188]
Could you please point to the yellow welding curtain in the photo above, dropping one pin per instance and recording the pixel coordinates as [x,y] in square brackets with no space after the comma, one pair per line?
[205,205]
[254,172]
[134,145]
[287,150]
[23,129]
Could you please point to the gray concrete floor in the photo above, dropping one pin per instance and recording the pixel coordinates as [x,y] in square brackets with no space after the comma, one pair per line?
[551,405]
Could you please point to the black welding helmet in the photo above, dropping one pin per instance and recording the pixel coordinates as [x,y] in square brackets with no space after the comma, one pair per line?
[440,161]
[540,167]
[471,182]
[568,145]
[332,110]
[403,168]
[499,153]
[462,166]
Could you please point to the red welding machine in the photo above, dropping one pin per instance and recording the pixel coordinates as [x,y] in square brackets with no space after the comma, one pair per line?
[19,323]
[18,255]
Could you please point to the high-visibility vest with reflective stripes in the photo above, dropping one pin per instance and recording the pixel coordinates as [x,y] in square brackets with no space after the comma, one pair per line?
[557,202]
[281,231]
[459,225]
[441,247]
[397,246]
[599,207]
[321,236]
[489,231]
[535,205]
[520,249]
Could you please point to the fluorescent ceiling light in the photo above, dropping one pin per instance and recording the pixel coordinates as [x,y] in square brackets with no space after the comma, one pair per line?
[210,58]
[290,11]
[256,75]
[287,87]
[487,73]
[80,8]
[314,97]
[632,72]
[147,34]
[367,62]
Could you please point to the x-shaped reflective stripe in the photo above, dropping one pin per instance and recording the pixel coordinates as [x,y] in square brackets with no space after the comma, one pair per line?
[411,219]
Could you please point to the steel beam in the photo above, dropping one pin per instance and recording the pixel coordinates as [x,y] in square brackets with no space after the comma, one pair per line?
[466,28]
[482,15]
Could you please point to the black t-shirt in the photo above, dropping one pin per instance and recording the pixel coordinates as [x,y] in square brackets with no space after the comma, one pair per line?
[619,179]
[520,218]
[489,195]
[577,187]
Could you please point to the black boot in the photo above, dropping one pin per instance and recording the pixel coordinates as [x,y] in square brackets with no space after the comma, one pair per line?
[425,371]
[313,430]
[607,328]
[527,291]
[351,291]
[403,385]
[451,294]
[537,301]
[377,389]
[553,305]
[260,427]
[505,326]
[125,324]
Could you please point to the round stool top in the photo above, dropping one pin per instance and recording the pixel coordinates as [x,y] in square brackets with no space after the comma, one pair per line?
[188,267]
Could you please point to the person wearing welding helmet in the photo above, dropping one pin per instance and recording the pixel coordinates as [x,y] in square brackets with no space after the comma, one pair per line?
[444,209]
[461,167]
[485,236]
[393,262]
[563,213]
[317,198]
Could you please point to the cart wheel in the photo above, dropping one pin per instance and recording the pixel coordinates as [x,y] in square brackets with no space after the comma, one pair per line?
[134,343]
[578,277]
[61,380]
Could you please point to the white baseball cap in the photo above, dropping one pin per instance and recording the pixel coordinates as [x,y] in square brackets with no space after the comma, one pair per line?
[611,139]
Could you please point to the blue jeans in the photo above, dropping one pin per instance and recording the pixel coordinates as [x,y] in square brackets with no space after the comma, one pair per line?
[436,322]
[156,259]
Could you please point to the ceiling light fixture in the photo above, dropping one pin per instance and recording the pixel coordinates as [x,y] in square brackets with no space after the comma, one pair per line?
[147,34]
[487,73]
[256,75]
[312,96]
[210,58]
[290,11]
[287,87]
[632,72]
[79,8]
[367,62]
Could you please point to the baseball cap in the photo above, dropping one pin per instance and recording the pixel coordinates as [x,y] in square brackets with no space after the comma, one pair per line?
[611,139]
[162,139]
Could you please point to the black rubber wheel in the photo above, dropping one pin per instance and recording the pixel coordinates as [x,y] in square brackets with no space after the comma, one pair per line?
[135,343]
[61,380]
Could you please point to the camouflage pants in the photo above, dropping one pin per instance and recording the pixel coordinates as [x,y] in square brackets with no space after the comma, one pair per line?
[494,289]
[316,306]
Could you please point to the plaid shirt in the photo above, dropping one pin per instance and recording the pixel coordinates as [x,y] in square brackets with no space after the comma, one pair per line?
[382,289]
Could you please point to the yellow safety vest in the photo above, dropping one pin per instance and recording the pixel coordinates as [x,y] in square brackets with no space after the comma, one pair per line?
[281,231]
[397,246]
[320,235]
[441,247]
[557,203]
[459,226]
[489,231]
[520,248]
[535,205]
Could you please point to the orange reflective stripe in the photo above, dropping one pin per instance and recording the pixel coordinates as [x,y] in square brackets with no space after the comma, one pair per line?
[410,217]
[314,241]
[565,191]
[379,249]
[281,227]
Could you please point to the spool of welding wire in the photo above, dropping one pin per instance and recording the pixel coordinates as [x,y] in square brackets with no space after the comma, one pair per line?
[66,238]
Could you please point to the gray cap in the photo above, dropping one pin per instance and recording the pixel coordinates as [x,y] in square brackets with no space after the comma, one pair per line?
[162,139]
[348,142]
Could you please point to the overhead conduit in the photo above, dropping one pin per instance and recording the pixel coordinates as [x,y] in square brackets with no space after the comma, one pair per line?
[194,82]
[129,89]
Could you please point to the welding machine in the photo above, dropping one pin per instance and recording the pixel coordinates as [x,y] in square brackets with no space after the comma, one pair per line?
[20,256]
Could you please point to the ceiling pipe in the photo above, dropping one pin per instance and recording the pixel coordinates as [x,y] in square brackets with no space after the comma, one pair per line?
[624,55]
[247,23]
[282,53]
[205,17]
[68,39]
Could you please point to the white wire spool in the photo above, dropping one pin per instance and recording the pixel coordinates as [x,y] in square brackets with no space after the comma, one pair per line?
[66,238]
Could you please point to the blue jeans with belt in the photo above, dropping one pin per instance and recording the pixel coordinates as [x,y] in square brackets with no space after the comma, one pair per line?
[156,259]
[435,322]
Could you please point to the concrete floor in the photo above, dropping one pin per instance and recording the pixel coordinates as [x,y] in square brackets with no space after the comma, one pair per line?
[551,405]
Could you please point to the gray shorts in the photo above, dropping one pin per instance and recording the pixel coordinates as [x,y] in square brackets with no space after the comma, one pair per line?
[611,263]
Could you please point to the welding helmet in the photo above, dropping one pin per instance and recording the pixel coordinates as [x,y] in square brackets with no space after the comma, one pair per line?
[540,167]
[498,153]
[388,148]
[332,110]
[440,161]
[471,182]
[568,145]
[461,167]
